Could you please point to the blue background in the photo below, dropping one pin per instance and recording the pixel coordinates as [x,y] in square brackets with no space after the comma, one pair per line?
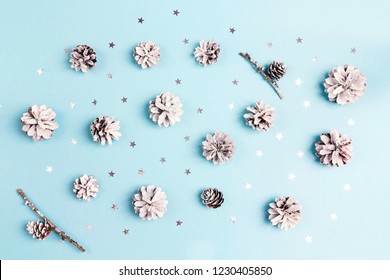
[34,35]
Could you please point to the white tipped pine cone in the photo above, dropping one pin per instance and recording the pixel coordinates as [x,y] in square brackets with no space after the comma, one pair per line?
[38,122]
[166,109]
[212,198]
[147,54]
[260,117]
[150,203]
[285,212]
[207,52]
[334,149]
[104,129]
[85,187]
[82,58]
[345,84]
[219,147]
[38,229]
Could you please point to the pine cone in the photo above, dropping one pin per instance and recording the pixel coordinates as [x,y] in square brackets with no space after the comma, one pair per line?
[207,52]
[85,187]
[285,212]
[277,69]
[147,54]
[150,202]
[104,129]
[218,147]
[345,84]
[334,148]
[212,198]
[165,109]
[38,229]
[38,122]
[82,58]
[260,117]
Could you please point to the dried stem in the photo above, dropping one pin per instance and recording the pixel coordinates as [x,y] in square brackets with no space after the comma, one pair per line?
[262,72]
[62,234]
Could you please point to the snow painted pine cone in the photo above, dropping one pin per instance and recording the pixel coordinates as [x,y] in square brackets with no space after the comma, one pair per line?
[38,122]
[345,84]
[260,117]
[285,212]
[147,54]
[218,147]
[207,52]
[104,129]
[277,69]
[334,149]
[150,203]
[85,187]
[212,198]
[38,229]
[166,109]
[82,58]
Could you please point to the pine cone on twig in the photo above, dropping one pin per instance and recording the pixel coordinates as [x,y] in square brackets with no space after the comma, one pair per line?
[212,198]
[38,229]
[277,69]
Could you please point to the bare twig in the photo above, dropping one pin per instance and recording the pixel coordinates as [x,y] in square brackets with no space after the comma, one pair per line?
[262,72]
[62,234]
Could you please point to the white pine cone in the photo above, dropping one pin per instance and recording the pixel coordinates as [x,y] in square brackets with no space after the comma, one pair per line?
[285,212]
[82,58]
[150,203]
[165,109]
[38,229]
[260,117]
[147,54]
[85,187]
[277,69]
[218,147]
[104,129]
[38,122]
[334,149]
[212,198]
[207,52]
[345,84]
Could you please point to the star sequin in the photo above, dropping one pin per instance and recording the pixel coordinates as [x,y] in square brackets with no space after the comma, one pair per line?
[279,136]
[259,153]
[176,12]
[114,207]
[300,154]
[248,186]
[347,187]
[141,172]
[178,81]
[233,219]
[163,160]
[186,138]
[231,106]
[49,169]
[132,144]
[89,227]
[109,75]
[299,40]
[187,171]
[179,223]
[125,231]
[291,176]
[353,50]
[66,50]
[111,45]
[40,71]
[298,82]
[232,30]
[111,173]
[94,102]
[314,59]
[351,122]
[333,216]
[72,105]
[124,99]
[269,45]
[186,41]
[306,103]
[141,20]
[73,141]
[200,111]
[235,82]
[308,239]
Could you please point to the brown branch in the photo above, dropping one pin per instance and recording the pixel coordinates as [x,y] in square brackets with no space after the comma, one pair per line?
[262,72]
[62,234]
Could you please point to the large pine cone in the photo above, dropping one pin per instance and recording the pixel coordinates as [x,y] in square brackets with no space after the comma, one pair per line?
[277,69]
[104,129]
[38,229]
[150,203]
[147,54]
[165,109]
[218,147]
[285,212]
[212,198]
[334,149]
[38,122]
[260,117]
[82,58]
[85,187]
[207,52]
[345,84]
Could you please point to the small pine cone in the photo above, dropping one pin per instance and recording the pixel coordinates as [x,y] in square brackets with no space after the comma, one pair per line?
[85,187]
[165,109]
[260,117]
[212,198]
[38,122]
[104,129]
[334,149]
[150,203]
[38,229]
[285,212]
[147,54]
[345,84]
[219,147]
[207,52]
[277,69]
[82,58]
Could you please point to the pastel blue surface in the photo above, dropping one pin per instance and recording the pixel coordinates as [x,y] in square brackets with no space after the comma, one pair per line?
[34,35]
